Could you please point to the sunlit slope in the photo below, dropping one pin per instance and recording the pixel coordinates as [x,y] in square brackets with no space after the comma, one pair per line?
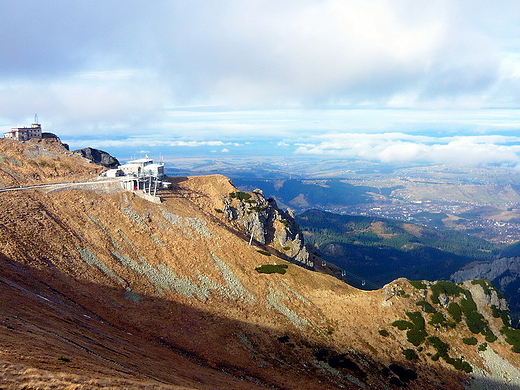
[41,161]
[101,290]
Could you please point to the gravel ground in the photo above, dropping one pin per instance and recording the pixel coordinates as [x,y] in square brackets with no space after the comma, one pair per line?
[502,374]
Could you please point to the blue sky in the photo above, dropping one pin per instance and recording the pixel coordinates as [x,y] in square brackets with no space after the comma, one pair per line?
[384,80]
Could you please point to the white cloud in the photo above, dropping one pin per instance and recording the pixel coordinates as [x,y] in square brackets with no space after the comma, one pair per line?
[225,150]
[395,147]
[103,75]
[196,143]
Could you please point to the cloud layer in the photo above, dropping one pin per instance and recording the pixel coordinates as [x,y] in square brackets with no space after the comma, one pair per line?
[99,69]
[398,147]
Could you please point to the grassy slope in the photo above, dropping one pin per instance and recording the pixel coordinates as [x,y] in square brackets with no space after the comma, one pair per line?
[141,295]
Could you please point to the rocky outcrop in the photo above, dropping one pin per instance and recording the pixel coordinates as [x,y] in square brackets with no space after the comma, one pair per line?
[264,222]
[489,270]
[98,157]
[503,273]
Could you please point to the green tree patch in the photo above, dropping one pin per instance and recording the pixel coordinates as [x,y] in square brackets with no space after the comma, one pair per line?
[272,268]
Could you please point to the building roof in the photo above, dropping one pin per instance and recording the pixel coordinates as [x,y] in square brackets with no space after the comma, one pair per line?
[140,161]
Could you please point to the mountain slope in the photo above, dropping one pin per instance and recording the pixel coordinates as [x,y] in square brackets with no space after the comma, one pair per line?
[108,290]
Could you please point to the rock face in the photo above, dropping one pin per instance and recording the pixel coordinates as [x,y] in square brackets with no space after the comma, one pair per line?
[98,157]
[504,273]
[265,223]
[258,218]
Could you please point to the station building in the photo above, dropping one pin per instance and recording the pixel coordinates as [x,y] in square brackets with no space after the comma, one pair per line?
[143,167]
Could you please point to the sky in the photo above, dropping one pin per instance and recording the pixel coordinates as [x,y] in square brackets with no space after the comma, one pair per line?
[382,80]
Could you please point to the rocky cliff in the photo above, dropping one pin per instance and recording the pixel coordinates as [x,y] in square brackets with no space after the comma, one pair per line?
[251,213]
[98,157]
[504,273]
[107,290]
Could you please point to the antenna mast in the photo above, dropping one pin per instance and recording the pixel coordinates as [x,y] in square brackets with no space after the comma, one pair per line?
[35,119]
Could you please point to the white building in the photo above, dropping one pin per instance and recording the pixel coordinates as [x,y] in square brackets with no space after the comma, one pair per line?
[25,133]
[143,167]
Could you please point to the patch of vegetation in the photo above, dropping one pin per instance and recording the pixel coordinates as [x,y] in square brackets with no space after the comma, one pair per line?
[396,382]
[419,284]
[265,253]
[491,338]
[512,338]
[476,322]
[240,195]
[442,351]
[455,311]
[444,287]
[402,324]
[64,359]
[426,306]
[342,361]
[219,211]
[504,314]
[336,360]
[441,347]
[286,248]
[417,319]
[384,332]
[470,340]
[438,319]
[410,354]
[272,268]
[460,364]
[417,334]
[482,347]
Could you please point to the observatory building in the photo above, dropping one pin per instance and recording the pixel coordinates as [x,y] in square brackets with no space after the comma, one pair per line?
[25,133]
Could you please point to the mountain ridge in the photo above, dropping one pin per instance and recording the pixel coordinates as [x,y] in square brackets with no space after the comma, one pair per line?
[108,290]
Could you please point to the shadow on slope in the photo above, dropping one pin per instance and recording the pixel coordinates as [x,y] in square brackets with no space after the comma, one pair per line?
[380,250]
[91,332]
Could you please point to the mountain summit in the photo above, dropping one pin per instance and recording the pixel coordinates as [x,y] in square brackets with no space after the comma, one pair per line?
[212,288]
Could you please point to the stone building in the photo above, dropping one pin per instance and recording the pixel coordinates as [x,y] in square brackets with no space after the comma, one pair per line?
[25,133]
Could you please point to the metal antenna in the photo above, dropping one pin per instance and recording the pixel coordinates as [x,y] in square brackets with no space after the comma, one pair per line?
[35,119]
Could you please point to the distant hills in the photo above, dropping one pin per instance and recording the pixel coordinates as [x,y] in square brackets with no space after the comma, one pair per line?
[304,194]
[379,250]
